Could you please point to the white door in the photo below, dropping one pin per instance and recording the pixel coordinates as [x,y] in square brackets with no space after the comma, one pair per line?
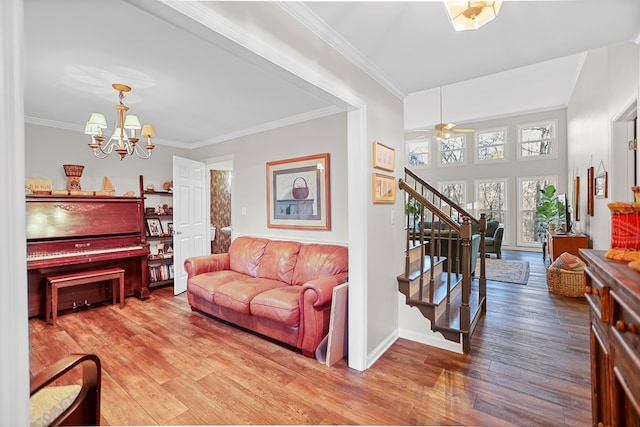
[190,216]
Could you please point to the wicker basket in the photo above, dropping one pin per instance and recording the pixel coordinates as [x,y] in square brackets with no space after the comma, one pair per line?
[566,282]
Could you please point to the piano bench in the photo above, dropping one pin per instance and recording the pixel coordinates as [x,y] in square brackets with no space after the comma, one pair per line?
[116,275]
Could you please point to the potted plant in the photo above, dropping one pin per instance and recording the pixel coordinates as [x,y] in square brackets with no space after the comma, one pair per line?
[546,213]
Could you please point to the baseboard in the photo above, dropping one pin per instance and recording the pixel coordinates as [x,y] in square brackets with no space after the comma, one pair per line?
[381,348]
[432,339]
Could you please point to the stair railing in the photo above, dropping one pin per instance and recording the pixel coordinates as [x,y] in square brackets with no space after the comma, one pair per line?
[426,204]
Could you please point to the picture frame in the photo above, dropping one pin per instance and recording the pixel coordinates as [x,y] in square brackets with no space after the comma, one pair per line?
[384,188]
[170,228]
[384,157]
[590,190]
[576,199]
[154,227]
[601,182]
[298,193]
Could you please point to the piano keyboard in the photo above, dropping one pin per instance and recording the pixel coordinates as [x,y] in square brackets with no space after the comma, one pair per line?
[49,255]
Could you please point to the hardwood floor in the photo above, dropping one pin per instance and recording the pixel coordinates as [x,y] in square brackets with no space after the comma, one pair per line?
[166,365]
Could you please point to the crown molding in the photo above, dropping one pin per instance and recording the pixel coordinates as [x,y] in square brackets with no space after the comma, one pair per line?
[323,112]
[317,26]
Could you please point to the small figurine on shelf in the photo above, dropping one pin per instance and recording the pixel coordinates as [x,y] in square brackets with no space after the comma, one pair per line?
[163,209]
[636,193]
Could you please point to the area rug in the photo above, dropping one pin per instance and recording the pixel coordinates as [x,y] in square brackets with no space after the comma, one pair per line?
[503,270]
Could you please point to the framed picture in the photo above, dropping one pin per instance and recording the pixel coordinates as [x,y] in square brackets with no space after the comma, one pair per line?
[601,182]
[154,227]
[384,188]
[170,228]
[576,199]
[298,193]
[590,190]
[383,157]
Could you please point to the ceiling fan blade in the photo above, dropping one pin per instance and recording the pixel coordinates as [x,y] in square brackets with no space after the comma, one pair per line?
[463,130]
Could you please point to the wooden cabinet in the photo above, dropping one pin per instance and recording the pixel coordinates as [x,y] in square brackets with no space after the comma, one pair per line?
[158,223]
[571,243]
[613,294]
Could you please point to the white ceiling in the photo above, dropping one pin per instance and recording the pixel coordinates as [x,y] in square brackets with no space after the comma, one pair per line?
[197,87]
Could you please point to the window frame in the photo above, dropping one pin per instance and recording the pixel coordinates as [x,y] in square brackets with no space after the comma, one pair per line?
[427,143]
[454,182]
[505,145]
[476,184]
[553,180]
[553,154]
[464,152]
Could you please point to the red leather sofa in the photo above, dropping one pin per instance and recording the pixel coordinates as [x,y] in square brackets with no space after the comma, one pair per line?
[281,289]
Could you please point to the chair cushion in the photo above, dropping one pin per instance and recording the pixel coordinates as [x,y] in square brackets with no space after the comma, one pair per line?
[278,261]
[49,403]
[281,305]
[237,295]
[204,285]
[492,226]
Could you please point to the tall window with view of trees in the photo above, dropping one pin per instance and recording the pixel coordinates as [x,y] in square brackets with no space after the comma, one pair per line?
[454,191]
[492,199]
[528,200]
[491,145]
[537,140]
[452,151]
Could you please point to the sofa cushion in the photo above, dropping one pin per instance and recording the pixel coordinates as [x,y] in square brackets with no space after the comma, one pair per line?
[279,304]
[316,260]
[278,260]
[245,254]
[237,295]
[205,285]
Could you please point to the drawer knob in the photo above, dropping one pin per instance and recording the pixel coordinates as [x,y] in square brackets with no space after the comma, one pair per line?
[591,290]
[624,327]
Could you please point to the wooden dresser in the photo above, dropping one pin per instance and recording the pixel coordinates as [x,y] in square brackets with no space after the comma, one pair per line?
[571,243]
[613,294]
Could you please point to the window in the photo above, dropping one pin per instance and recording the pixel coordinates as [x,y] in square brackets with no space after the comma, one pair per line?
[491,146]
[455,191]
[537,140]
[418,153]
[528,197]
[452,151]
[491,198]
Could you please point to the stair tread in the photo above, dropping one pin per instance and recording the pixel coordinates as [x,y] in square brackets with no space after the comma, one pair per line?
[414,274]
[439,289]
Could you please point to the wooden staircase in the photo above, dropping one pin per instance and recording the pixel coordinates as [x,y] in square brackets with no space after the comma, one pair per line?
[438,263]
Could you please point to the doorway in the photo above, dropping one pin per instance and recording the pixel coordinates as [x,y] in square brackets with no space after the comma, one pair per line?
[221,174]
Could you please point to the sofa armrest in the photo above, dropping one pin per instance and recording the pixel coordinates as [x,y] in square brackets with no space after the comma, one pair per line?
[315,311]
[205,264]
[321,290]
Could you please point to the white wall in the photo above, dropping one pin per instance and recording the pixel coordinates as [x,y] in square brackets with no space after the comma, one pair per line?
[609,79]
[47,149]
[250,155]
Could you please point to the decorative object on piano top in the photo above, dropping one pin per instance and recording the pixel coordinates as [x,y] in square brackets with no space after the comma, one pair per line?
[168,186]
[73,173]
[119,142]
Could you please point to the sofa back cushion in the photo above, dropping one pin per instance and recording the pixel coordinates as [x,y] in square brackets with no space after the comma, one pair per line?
[318,260]
[278,260]
[245,254]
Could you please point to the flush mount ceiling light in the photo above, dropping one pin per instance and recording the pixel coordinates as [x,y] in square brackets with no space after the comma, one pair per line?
[119,142]
[471,15]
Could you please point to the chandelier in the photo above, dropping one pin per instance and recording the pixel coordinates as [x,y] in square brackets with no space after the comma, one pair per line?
[119,142]
[471,15]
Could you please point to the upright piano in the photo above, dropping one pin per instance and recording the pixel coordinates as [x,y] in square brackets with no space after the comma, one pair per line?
[68,234]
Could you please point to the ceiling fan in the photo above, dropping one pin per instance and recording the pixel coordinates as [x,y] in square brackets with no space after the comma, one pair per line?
[442,130]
